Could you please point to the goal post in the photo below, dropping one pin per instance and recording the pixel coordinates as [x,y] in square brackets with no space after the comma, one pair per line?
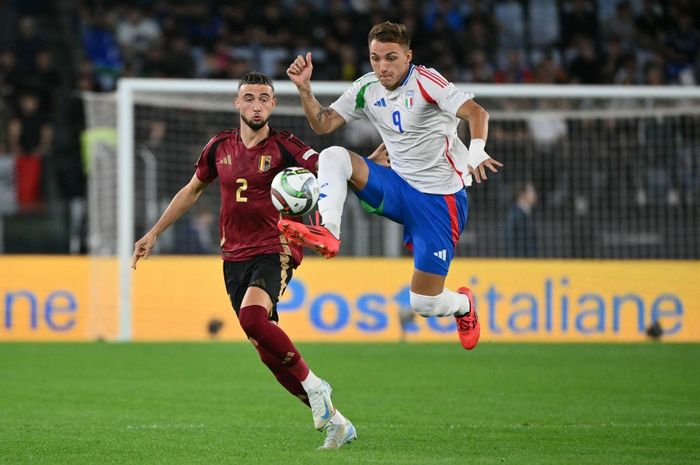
[125,217]
[569,140]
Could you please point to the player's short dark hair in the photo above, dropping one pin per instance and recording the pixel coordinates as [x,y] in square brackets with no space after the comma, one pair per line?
[390,32]
[255,78]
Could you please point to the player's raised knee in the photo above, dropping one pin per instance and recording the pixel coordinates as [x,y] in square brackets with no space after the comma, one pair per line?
[335,161]
[335,152]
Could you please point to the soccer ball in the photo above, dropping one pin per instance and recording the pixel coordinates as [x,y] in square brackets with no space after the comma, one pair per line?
[294,191]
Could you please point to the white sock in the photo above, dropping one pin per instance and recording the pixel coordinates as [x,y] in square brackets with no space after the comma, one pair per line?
[338,418]
[464,307]
[444,304]
[311,382]
[334,171]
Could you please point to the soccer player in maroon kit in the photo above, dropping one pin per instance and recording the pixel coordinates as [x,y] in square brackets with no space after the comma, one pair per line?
[258,260]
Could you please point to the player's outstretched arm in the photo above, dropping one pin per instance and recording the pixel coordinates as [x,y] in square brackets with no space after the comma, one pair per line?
[183,201]
[322,120]
[478,119]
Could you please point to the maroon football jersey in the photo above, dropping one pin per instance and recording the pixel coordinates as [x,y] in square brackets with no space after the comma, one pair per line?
[248,219]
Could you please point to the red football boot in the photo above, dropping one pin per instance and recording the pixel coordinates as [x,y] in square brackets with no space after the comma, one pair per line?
[316,238]
[468,326]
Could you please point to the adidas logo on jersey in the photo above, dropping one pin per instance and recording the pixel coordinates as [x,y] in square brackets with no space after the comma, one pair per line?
[380,103]
[224,161]
[441,254]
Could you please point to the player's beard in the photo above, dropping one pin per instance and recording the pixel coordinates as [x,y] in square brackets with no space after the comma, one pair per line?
[254,126]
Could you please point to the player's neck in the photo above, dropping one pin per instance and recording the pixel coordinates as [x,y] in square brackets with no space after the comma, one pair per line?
[252,137]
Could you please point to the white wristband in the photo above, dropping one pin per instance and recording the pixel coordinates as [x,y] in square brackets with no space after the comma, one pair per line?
[477,154]
[477,144]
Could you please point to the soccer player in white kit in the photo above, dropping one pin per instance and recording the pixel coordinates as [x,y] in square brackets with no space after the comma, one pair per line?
[421,182]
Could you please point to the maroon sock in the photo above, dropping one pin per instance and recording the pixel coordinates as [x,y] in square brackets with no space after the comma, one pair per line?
[284,377]
[273,339]
[300,370]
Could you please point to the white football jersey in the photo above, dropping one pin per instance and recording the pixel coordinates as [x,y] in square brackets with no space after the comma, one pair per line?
[418,124]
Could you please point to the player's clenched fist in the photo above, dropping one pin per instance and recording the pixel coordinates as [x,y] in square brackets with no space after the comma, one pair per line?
[299,71]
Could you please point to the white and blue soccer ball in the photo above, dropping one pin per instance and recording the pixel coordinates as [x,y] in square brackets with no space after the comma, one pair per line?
[294,191]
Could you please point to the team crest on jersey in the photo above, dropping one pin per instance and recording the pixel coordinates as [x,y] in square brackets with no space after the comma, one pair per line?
[264,162]
[408,98]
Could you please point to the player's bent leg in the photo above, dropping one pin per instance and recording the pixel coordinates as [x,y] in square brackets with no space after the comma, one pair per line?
[264,333]
[274,340]
[256,325]
[335,169]
[282,374]
[427,302]
[254,320]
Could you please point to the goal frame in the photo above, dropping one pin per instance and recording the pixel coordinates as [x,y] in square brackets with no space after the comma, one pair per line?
[128,87]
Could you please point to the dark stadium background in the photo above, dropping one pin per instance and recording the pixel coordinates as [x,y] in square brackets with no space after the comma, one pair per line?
[53,50]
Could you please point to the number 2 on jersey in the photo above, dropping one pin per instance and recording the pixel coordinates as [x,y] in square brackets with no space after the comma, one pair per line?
[396,118]
[242,187]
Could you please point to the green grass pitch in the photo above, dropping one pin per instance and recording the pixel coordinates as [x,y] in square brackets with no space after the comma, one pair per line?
[215,403]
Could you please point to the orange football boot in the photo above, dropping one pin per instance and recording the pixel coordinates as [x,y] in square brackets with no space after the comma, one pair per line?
[468,326]
[316,238]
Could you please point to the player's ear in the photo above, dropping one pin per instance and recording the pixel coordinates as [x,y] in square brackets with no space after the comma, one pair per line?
[409,55]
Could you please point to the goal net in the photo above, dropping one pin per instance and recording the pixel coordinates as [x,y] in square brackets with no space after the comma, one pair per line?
[615,170]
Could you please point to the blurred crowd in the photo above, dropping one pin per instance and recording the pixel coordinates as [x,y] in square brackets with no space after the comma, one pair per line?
[515,41]
[51,51]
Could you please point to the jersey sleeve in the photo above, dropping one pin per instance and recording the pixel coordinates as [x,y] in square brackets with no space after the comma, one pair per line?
[438,90]
[206,163]
[302,154]
[351,105]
